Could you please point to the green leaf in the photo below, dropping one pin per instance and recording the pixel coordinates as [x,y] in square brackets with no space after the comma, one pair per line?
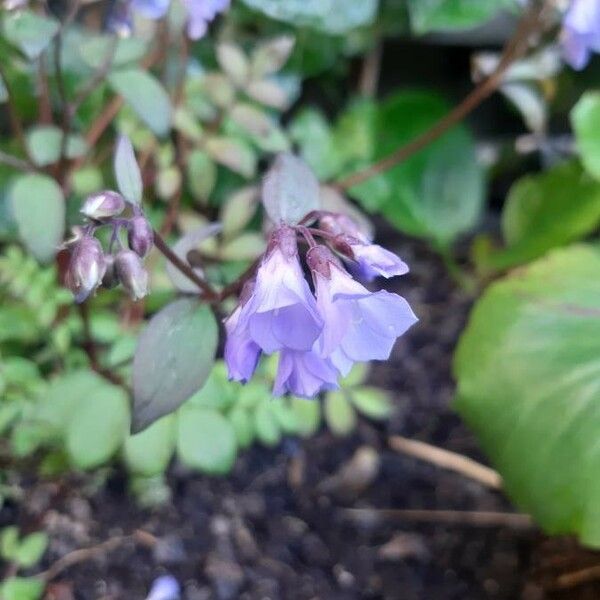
[22,588]
[97,427]
[308,415]
[3,92]
[206,440]
[545,211]
[148,453]
[233,153]
[266,425]
[339,414]
[201,175]
[333,16]
[528,372]
[127,172]
[241,421]
[31,549]
[436,193]
[372,402]
[448,15]
[173,359]
[29,31]
[9,543]
[44,144]
[216,393]
[38,208]
[96,50]
[585,120]
[146,96]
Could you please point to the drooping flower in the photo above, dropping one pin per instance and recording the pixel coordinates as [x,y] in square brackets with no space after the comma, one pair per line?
[131,273]
[86,267]
[372,260]
[304,374]
[359,325]
[580,35]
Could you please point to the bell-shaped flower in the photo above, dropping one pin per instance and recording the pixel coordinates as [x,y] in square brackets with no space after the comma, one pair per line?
[131,273]
[580,35]
[241,352]
[86,267]
[304,374]
[103,205]
[282,312]
[359,325]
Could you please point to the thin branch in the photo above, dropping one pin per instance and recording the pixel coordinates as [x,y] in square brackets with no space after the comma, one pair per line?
[448,460]
[45,112]
[371,69]
[13,161]
[569,580]
[13,113]
[209,293]
[515,48]
[446,517]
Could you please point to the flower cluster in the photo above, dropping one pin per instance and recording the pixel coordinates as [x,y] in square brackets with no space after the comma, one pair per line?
[580,35]
[199,14]
[90,266]
[320,335]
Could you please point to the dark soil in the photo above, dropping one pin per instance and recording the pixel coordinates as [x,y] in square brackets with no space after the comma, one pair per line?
[278,527]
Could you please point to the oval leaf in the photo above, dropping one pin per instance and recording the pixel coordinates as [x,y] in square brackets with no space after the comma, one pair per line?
[585,119]
[38,207]
[173,358]
[28,31]
[528,371]
[148,453]
[127,171]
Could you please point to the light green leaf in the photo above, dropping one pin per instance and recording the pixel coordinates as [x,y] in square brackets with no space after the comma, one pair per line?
[308,415]
[9,543]
[173,359]
[98,426]
[233,153]
[372,402]
[29,31]
[44,145]
[585,120]
[266,425]
[241,421]
[146,96]
[127,171]
[148,453]
[438,192]
[333,16]
[339,414]
[95,51]
[447,15]
[22,588]
[201,175]
[38,208]
[545,211]
[31,549]
[528,372]
[206,440]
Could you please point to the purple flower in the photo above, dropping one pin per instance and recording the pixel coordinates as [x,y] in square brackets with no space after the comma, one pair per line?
[132,274]
[140,235]
[241,352]
[151,9]
[304,374]
[201,13]
[359,325]
[103,205]
[581,32]
[86,267]
[165,588]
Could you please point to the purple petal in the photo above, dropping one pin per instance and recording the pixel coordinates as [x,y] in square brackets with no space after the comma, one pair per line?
[241,352]
[304,374]
[151,9]
[374,260]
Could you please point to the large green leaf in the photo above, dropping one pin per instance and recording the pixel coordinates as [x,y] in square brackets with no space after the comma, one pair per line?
[447,15]
[545,211]
[146,96]
[44,143]
[29,31]
[585,119]
[38,207]
[528,371]
[148,453]
[173,359]
[438,192]
[97,427]
[333,16]
[206,440]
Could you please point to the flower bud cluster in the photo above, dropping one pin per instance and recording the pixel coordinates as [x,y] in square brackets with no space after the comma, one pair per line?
[319,331]
[90,266]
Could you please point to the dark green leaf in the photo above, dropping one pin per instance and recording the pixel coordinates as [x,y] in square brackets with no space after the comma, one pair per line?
[528,371]
[173,359]
[38,207]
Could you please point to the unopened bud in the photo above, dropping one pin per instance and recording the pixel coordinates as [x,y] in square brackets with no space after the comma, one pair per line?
[140,236]
[86,268]
[319,259]
[338,224]
[132,274]
[103,205]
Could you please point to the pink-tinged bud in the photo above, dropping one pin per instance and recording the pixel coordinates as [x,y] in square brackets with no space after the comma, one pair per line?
[140,236]
[340,224]
[132,274]
[319,260]
[103,205]
[86,268]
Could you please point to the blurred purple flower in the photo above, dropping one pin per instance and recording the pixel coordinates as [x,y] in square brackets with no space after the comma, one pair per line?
[581,32]
[165,588]
[359,325]
[304,374]
[201,13]
[132,274]
[86,267]
[151,9]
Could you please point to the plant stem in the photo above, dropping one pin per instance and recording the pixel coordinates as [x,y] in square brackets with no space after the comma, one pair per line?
[514,49]
[13,114]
